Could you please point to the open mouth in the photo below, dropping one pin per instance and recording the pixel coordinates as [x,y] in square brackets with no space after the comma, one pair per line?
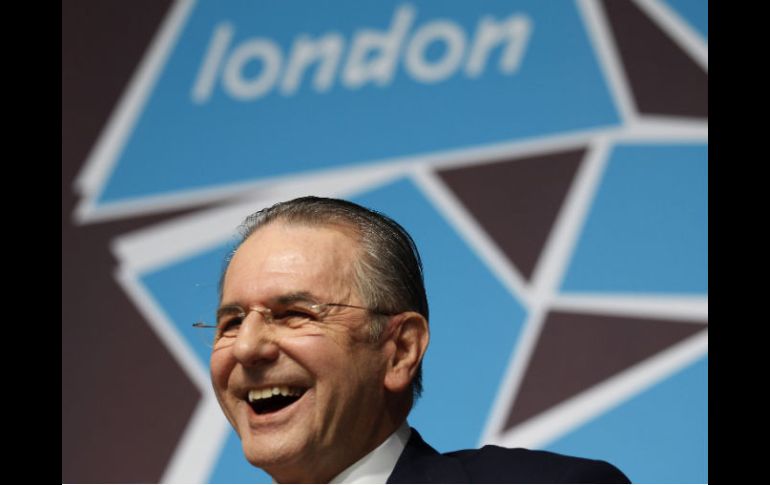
[272,399]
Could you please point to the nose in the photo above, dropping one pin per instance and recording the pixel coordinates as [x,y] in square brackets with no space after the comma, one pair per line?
[255,343]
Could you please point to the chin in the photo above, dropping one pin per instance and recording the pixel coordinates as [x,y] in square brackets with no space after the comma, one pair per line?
[282,461]
[277,449]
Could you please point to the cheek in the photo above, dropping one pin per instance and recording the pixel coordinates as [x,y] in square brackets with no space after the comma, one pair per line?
[317,353]
[221,366]
[336,360]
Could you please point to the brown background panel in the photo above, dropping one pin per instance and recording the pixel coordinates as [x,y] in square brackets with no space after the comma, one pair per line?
[125,400]
[663,78]
[517,201]
[577,351]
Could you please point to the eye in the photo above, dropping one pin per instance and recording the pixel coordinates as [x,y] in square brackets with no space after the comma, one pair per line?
[293,316]
[229,326]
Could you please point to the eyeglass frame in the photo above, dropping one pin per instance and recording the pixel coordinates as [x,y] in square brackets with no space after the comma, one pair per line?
[267,313]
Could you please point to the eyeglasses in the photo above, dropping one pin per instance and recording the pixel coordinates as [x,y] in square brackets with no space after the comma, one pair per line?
[295,316]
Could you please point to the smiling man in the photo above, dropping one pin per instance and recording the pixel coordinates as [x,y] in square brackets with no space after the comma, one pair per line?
[318,344]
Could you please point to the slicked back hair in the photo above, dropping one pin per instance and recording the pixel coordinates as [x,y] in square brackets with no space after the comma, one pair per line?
[388,272]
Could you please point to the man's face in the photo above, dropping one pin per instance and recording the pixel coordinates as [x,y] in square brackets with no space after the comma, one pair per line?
[340,413]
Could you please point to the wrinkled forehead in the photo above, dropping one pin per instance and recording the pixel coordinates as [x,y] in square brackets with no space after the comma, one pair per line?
[281,257]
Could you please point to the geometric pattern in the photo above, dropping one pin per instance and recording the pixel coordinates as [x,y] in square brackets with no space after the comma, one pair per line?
[663,431]
[581,350]
[531,189]
[664,79]
[647,228]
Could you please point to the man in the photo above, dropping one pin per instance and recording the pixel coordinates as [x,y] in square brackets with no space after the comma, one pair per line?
[320,334]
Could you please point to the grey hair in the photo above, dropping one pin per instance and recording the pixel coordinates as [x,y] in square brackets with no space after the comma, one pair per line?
[388,274]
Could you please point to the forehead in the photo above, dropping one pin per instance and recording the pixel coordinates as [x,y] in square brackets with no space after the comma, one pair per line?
[284,258]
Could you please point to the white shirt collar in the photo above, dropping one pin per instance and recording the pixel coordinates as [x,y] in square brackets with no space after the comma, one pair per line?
[377,466]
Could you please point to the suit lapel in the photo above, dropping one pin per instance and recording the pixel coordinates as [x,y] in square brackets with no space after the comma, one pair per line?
[420,463]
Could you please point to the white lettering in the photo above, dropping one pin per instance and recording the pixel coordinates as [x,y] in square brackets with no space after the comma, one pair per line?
[380,69]
[327,49]
[489,33]
[208,71]
[248,89]
[373,57]
[443,31]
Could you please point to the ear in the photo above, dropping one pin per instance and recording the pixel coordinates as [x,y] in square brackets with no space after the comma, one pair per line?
[407,342]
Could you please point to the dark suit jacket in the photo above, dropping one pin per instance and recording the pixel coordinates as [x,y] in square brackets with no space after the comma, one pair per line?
[420,463]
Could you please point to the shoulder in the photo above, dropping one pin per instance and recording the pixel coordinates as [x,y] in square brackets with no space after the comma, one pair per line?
[421,463]
[497,464]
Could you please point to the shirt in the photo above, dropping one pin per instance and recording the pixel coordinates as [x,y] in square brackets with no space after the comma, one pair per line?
[377,466]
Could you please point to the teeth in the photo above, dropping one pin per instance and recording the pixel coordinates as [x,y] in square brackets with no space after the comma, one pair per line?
[268,392]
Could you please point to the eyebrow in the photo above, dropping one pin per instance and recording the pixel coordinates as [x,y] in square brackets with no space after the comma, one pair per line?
[299,296]
[227,309]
